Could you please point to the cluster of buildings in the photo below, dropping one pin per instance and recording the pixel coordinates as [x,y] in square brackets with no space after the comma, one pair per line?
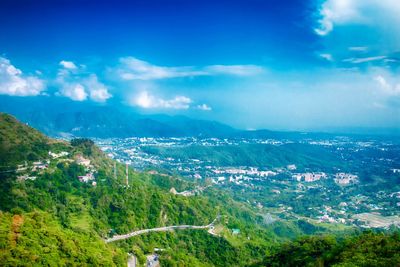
[27,171]
[37,166]
[251,171]
[339,178]
[238,175]
[345,178]
[89,169]
[309,176]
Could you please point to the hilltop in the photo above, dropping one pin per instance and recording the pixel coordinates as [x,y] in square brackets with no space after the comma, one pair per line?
[19,142]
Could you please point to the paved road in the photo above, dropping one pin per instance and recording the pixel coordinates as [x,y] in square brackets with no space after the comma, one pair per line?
[132,261]
[160,229]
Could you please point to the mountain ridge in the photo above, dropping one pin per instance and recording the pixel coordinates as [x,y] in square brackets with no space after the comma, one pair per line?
[60,117]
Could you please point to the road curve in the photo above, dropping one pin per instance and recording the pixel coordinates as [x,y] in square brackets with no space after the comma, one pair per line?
[160,229]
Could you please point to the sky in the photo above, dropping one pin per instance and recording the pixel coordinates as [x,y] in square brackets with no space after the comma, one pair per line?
[286,65]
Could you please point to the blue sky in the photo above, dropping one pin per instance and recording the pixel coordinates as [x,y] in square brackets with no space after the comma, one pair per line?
[253,64]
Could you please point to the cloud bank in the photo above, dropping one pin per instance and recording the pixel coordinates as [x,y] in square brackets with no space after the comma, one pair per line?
[372,13]
[79,86]
[131,68]
[14,82]
[147,100]
[360,33]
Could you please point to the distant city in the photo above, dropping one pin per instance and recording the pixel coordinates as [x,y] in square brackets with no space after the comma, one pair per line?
[321,194]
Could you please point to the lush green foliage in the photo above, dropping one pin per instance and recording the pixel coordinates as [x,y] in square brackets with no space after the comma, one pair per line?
[366,249]
[37,239]
[86,145]
[19,142]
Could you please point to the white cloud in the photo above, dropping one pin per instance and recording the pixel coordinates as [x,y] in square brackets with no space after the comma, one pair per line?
[146,100]
[68,65]
[364,59]
[204,107]
[238,70]
[79,87]
[14,82]
[131,68]
[362,12]
[326,56]
[358,48]
[135,69]
[364,32]
[97,91]
[390,89]
[336,11]
[75,91]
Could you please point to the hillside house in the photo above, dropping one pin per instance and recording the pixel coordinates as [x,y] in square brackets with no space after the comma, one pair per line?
[86,178]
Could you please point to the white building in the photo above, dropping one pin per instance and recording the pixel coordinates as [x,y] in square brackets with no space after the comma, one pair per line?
[58,155]
[291,167]
[86,178]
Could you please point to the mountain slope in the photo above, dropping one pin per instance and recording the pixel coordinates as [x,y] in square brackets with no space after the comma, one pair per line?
[365,249]
[75,119]
[36,238]
[19,142]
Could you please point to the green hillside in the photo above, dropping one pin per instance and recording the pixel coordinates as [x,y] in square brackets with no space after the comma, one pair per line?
[19,142]
[263,155]
[37,239]
[365,249]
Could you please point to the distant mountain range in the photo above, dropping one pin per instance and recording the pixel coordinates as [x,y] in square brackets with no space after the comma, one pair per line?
[60,117]
[67,118]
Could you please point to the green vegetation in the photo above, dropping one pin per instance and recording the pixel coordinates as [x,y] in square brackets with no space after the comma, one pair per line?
[19,142]
[262,155]
[37,239]
[365,249]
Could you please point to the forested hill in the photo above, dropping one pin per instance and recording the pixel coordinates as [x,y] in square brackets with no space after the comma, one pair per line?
[19,142]
[59,201]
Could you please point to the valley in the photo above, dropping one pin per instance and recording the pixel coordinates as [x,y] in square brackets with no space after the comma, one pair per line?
[331,181]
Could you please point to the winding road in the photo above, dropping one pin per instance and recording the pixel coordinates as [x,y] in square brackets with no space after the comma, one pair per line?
[160,229]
